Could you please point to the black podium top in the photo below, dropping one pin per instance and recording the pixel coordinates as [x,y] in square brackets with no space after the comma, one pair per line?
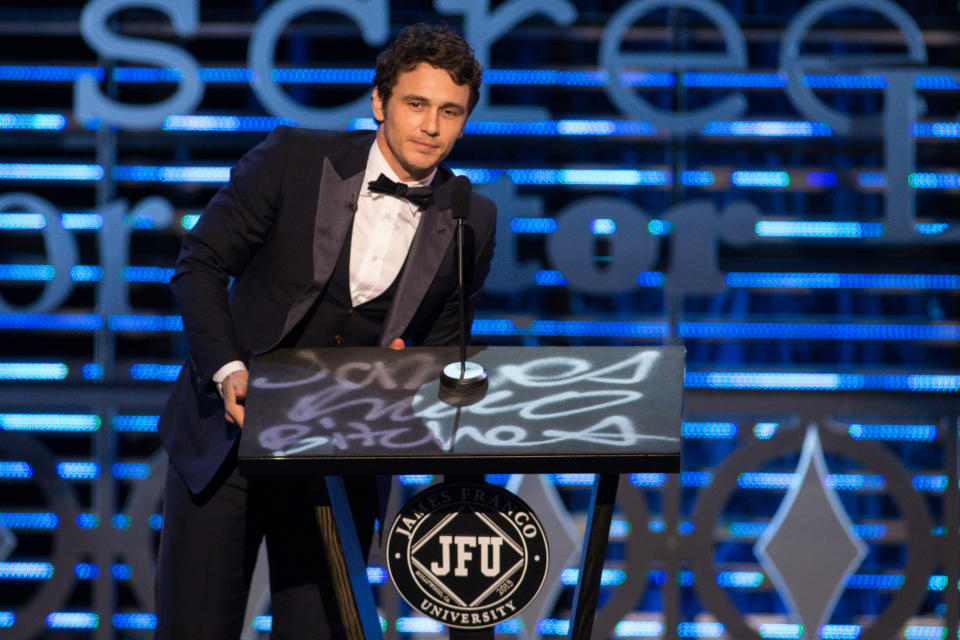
[366,410]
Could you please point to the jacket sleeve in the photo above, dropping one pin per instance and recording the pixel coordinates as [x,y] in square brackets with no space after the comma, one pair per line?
[445,331]
[219,247]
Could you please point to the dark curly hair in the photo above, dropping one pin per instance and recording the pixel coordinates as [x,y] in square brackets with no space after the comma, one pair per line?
[436,45]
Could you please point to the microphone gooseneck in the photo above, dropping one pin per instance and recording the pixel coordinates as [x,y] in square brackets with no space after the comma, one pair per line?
[462,376]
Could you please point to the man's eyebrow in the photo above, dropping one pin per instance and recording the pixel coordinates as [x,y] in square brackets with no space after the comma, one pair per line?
[412,97]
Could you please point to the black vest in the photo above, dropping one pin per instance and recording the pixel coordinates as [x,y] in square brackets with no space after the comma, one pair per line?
[334,321]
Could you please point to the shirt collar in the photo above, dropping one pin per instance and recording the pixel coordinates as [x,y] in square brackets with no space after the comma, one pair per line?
[377,164]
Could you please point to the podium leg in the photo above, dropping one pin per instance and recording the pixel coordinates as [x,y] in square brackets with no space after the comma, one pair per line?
[348,570]
[594,551]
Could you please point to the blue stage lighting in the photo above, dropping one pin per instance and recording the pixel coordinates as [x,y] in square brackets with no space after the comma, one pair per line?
[930,484]
[134,423]
[933,82]
[746,80]
[603,227]
[130,470]
[48,321]
[651,279]
[817,229]
[553,627]
[75,172]
[822,179]
[936,129]
[709,430]
[765,430]
[695,478]
[189,221]
[48,73]
[88,521]
[740,579]
[414,480]
[26,570]
[86,273]
[767,128]
[418,625]
[638,629]
[145,323]
[549,278]
[773,631]
[573,479]
[840,631]
[155,372]
[147,274]
[870,531]
[134,621]
[48,422]
[897,281]
[22,272]
[485,327]
[86,571]
[22,221]
[894,432]
[934,180]
[760,179]
[700,629]
[33,121]
[30,521]
[81,221]
[648,479]
[73,620]
[871,180]
[15,470]
[931,228]
[599,329]
[121,571]
[33,371]
[533,225]
[78,470]
[697,178]
[91,371]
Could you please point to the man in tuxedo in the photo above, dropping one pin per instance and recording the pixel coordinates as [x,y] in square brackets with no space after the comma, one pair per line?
[324,249]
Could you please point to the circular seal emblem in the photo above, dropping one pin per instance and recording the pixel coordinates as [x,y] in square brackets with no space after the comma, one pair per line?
[467,555]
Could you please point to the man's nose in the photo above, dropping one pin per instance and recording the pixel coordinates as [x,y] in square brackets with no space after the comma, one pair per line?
[430,123]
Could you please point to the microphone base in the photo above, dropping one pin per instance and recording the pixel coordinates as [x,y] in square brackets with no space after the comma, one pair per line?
[474,377]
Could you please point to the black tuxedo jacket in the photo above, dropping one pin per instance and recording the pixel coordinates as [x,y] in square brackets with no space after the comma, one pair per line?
[277,229]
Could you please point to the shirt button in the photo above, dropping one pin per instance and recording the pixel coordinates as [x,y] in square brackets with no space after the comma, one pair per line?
[338,339]
[388,216]
[374,258]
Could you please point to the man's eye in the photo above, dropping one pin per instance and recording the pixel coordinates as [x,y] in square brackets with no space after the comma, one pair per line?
[415,105]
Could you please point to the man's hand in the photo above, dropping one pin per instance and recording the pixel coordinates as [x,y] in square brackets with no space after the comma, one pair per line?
[234,388]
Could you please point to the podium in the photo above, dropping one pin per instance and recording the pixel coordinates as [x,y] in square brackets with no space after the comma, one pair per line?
[337,412]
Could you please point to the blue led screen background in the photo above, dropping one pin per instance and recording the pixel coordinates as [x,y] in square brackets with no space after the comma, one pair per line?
[772,185]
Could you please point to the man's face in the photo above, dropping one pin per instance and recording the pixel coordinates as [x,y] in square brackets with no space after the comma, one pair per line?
[421,121]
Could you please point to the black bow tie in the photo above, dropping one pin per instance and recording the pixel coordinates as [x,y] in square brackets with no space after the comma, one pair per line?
[420,196]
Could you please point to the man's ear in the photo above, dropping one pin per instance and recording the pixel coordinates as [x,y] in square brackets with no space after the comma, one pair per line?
[376,105]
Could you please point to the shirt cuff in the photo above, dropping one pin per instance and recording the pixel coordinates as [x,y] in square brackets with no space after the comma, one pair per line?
[224,371]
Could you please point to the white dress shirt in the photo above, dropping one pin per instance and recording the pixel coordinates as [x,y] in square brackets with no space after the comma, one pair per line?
[383,229]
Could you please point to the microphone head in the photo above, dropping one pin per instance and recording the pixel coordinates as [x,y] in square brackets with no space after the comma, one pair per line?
[460,197]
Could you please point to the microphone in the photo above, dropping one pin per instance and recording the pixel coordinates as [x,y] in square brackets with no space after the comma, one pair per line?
[462,376]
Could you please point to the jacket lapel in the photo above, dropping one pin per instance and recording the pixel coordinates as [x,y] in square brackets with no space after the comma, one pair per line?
[429,245]
[336,204]
[340,182]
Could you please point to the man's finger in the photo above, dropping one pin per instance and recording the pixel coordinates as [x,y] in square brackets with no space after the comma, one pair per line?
[397,344]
